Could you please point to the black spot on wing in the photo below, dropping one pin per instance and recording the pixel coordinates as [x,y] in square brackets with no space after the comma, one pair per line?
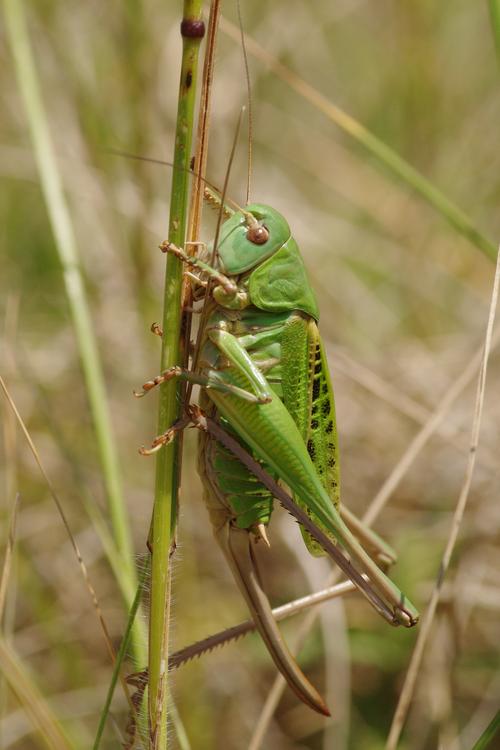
[316,388]
[311,449]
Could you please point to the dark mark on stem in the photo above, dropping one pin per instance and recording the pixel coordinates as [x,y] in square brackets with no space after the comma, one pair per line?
[192,28]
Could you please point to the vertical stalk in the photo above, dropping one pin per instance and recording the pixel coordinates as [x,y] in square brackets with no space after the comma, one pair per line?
[168,459]
[494,6]
[65,241]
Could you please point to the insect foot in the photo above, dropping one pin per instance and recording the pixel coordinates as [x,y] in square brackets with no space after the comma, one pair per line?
[266,398]
[156,329]
[172,372]
[169,247]
[157,443]
[405,617]
[166,437]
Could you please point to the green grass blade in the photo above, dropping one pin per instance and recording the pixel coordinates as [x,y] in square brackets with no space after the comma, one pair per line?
[180,730]
[489,734]
[67,249]
[384,154]
[122,651]
[494,6]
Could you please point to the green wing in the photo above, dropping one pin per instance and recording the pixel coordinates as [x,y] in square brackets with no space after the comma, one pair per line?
[308,396]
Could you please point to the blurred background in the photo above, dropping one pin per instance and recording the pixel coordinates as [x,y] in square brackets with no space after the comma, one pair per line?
[404,302]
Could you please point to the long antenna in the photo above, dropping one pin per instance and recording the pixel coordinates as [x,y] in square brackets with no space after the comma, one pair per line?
[249,101]
[201,152]
[152,160]
[226,183]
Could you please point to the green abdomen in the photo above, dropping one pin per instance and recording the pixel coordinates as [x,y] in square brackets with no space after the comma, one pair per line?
[287,349]
[231,491]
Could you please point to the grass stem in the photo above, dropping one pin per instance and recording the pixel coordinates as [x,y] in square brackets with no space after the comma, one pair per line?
[168,460]
[494,6]
[65,240]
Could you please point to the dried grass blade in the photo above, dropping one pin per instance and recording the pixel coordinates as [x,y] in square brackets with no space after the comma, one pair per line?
[223,637]
[9,550]
[66,245]
[361,135]
[375,508]
[76,549]
[50,731]
[427,620]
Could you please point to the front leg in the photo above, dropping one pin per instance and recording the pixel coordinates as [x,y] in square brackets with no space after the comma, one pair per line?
[227,293]
[212,379]
[241,361]
[225,282]
[238,357]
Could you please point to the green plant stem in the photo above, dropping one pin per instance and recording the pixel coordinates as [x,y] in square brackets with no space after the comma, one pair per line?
[66,245]
[122,652]
[168,460]
[494,6]
[489,734]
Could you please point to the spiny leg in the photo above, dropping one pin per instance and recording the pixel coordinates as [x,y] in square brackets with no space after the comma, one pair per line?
[166,437]
[207,424]
[227,284]
[239,358]
[292,464]
[237,548]
[212,380]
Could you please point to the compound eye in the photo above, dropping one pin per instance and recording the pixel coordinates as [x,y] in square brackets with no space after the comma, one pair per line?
[257,234]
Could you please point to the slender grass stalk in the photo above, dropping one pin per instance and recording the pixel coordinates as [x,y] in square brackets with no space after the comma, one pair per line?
[122,652]
[168,459]
[50,731]
[384,154]
[373,511]
[494,6]
[489,734]
[83,568]
[140,729]
[67,249]
[408,688]
[9,554]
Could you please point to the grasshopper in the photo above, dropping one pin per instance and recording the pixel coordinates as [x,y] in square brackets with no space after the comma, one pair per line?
[265,383]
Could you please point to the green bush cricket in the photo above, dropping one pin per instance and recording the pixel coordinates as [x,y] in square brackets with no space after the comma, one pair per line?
[265,382]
